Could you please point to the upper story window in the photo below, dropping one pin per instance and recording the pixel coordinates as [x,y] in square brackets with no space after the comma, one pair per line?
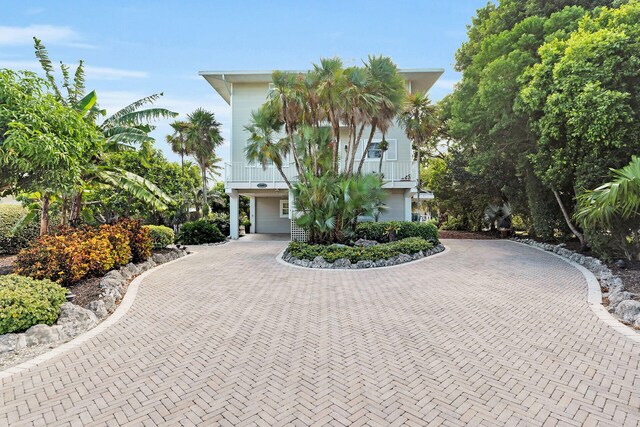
[375,153]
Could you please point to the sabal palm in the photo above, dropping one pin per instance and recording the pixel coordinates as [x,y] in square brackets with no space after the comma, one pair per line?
[203,137]
[264,145]
[419,118]
[178,140]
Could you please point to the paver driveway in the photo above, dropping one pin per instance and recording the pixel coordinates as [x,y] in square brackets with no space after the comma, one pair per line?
[489,333]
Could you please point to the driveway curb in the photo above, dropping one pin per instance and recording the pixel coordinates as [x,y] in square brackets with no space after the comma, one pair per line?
[594,297]
[123,308]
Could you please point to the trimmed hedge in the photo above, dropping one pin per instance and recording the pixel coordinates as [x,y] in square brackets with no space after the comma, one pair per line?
[10,242]
[354,254]
[379,231]
[198,233]
[73,254]
[161,236]
[25,302]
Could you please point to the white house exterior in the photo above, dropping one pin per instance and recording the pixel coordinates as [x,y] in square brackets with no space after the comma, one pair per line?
[246,91]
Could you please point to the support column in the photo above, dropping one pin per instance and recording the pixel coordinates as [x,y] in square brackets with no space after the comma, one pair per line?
[252,213]
[407,204]
[234,212]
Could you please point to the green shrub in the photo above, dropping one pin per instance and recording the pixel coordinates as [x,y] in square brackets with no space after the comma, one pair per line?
[25,302]
[220,220]
[379,231]
[10,242]
[198,233]
[161,236]
[354,254]
[453,223]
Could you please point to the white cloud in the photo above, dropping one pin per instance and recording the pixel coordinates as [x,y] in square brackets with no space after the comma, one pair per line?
[47,33]
[92,73]
[106,73]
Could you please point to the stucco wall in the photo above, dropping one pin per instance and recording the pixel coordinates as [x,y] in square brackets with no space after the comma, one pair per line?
[268,216]
[395,204]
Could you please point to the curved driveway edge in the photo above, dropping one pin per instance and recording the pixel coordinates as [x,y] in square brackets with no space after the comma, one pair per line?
[594,298]
[491,334]
[120,311]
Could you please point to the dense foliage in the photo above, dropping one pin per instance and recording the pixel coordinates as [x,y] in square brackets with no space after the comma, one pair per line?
[160,236]
[72,254]
[25,302]
[547,104]
[380,231]
[198,233]
[330,253]
[11,239]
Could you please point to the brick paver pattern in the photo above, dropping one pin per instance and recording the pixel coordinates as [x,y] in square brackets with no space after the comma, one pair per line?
[490,333]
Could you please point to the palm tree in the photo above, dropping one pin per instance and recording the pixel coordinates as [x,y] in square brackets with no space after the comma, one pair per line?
[420,121]
[264,145]
[203,136]
[179,140]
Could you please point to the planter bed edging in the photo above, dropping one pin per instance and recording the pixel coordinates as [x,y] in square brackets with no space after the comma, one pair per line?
[75,320]
[345,264]
[624,305]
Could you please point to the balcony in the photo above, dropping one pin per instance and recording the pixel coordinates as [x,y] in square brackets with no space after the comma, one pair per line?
[242,175]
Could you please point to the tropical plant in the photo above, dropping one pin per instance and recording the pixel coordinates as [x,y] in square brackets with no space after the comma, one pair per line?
[199,232]
[419,118]
[178,140]
[203,137]
[127,126]
[614,209]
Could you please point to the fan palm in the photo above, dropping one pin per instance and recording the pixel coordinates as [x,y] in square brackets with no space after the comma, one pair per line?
[179,140]
[203,137]
[264,146]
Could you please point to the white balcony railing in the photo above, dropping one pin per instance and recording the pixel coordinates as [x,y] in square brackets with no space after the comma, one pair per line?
[241,172]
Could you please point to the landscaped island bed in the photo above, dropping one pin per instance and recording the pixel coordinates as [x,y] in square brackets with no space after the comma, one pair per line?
[376,246]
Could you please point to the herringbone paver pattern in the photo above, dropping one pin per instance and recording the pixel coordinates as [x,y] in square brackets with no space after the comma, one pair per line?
[491,333]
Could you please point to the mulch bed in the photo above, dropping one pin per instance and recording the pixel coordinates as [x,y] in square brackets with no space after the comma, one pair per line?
[630,276]
[6,264]
[452,234]
[86,291]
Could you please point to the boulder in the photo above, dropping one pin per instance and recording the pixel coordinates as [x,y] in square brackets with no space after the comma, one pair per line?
[44,334]
[319,262]
[365,243]
[109,303]
[159,258]
[628,310]
[402,258]
[12,342]
[381,263]
[365,264]
[342,263]
[617,297]
[75,320]
[98,308]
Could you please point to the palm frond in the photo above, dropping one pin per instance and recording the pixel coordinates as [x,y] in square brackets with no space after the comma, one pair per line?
[132,107]
[142,117]
[43,57]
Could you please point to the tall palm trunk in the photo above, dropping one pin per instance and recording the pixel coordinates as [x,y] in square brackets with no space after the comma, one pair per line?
[204,184]
[367,147]
[76,207]
[44,214]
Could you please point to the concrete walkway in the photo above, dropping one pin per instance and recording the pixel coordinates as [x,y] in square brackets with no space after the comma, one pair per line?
[490,333]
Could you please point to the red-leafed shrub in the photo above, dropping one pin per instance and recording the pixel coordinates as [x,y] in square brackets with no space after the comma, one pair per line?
[139,239]
[72,254]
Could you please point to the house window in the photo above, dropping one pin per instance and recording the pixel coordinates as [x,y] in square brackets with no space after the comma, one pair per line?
[374,152]
[284,209]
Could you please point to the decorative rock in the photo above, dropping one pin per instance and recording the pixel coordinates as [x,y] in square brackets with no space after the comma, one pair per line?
[364,264]
[109,303]
[381,263]
[43,334]
[12,342]
[365,243]
[75,320]
[628,310]
[621,263]
[98,308]
[159,258]
[617,297]
[342,263]
[320,262]
[402,258]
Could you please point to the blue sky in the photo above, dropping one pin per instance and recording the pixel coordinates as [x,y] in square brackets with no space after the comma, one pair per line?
[136,48]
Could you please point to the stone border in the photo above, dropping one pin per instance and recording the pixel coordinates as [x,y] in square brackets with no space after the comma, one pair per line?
[598,276]
[396,261]
[118,313]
